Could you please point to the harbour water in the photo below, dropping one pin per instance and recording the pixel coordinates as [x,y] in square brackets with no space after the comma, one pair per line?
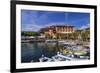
[33,51]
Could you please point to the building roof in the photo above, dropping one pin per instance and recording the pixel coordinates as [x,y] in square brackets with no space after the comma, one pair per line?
[53,27]
[61,26]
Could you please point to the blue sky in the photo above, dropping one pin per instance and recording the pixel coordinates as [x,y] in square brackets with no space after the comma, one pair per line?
[32,20]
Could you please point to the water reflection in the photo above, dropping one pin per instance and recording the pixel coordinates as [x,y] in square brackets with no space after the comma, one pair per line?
[33,51]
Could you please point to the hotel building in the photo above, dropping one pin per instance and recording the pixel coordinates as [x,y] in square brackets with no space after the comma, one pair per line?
[57,31]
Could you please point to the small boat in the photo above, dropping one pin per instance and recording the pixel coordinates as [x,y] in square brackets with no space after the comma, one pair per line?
[84,57]
[45,59]
[32,61]
[60,57]
[50,41]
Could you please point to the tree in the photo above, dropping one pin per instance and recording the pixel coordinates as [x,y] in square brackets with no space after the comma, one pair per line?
[29,33]
[85,35]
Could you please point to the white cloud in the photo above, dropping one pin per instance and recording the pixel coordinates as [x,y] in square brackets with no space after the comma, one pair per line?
[36,27]
[31,27]
[85,26]
[55,23]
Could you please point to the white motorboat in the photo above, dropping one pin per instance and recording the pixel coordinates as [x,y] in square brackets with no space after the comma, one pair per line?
[45,59]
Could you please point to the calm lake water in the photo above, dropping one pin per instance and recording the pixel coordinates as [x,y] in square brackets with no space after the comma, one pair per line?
[33,51]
